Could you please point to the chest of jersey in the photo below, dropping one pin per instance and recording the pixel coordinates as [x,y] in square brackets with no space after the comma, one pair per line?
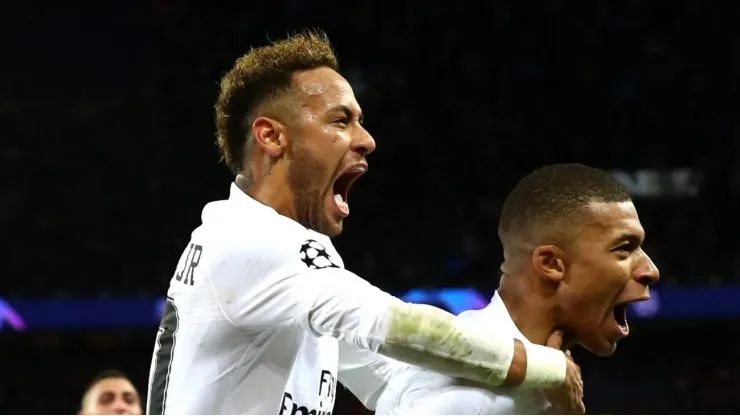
[311,385]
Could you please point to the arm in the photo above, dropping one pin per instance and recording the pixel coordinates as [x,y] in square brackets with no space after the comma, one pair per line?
[268,286]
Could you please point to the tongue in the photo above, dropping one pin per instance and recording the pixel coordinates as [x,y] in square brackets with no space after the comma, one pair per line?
[343,206]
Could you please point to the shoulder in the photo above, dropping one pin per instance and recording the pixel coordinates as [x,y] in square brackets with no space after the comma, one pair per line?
[459,400]
[421,391]
[259,243]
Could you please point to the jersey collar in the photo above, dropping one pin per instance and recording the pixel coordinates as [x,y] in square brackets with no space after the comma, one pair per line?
[236,195]
[497,309]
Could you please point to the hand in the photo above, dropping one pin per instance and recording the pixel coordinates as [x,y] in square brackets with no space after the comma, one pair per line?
[567,399]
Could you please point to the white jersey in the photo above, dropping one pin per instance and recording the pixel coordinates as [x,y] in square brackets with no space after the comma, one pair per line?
[262,318]
[416,391]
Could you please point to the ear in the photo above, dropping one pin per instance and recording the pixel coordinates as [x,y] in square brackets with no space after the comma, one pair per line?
[549,262]
[269,135]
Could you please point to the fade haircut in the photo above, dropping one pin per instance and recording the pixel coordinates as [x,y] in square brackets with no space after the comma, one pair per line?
[554,196]
[263,75]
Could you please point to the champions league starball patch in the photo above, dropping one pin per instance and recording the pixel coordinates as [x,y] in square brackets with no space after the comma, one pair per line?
[315,256]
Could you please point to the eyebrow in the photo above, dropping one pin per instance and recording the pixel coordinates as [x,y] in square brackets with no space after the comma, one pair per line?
[631,238]
[132,395]
[349,113]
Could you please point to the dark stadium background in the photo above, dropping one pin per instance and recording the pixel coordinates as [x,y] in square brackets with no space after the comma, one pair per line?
[108,156]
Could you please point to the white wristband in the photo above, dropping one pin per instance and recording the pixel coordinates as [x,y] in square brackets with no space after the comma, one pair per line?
[546,367]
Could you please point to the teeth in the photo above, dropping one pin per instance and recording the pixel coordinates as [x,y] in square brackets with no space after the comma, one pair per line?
[340,202]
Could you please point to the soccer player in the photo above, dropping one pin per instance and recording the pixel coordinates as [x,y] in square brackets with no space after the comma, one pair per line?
[110,393]
[572,263]
[261,316]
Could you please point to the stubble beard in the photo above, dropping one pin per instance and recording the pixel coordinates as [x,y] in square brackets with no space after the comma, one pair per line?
[305,175]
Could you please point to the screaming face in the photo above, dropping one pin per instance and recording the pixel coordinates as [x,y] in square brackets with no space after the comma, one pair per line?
[606,271]
[328,150]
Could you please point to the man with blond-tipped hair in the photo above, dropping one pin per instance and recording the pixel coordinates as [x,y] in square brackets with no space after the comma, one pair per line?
[261,315]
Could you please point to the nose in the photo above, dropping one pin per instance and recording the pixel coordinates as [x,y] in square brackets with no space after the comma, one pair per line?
[647,280]
[363,143]
[648,274]
[120,410]
[120,406]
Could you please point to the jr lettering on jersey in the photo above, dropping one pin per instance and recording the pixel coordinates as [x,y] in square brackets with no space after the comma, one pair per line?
[192,258]
[327,394]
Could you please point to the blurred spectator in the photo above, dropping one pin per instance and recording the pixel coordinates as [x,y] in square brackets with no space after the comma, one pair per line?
[111,393]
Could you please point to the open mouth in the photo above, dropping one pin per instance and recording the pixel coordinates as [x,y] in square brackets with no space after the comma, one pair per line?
[342,185]
[620,315]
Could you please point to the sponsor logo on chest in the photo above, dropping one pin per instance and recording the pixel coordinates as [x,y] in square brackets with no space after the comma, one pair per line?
[312,384]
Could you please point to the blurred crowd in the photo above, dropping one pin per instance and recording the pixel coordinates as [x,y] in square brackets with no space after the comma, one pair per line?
[108,154]
[108,137]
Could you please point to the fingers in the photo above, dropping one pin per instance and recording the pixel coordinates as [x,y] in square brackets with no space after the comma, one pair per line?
[580,409]
[556,339]
[568,408]
[568,398]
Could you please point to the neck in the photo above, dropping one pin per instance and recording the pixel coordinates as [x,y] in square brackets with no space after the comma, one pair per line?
[262,189]
[532,314]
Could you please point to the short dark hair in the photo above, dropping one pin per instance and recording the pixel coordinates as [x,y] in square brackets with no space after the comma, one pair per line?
[553,194]
[260,75]
[103,375]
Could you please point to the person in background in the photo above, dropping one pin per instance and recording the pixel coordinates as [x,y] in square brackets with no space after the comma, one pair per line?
[110,393]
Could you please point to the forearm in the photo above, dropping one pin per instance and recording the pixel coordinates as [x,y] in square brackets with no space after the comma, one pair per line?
[434,339]
[348,308]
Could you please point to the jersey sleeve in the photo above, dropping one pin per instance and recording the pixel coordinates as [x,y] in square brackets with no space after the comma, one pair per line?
[272,286]
[268,283]
[365,373]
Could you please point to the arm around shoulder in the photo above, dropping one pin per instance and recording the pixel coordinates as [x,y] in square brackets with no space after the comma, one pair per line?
[270,286]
